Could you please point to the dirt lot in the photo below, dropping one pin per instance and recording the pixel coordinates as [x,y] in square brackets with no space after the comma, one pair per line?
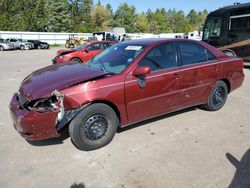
[191,148]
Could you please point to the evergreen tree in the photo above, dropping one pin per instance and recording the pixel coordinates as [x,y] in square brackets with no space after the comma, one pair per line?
[125,16]
[85,25]
[58,16]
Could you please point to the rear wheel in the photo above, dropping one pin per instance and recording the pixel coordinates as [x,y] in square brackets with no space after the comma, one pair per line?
[217,97]
[1,48]
[229,52]
[94,127]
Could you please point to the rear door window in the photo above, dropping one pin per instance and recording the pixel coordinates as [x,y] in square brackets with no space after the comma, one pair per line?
[105,45]
[192,53]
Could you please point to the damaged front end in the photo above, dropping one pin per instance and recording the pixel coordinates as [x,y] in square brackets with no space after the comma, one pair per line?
[41,118]
[52,104]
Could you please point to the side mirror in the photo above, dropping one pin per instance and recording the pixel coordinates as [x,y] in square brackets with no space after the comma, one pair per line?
[141,71]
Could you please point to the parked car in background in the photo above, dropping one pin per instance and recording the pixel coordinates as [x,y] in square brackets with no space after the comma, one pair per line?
[4,45]
[21,43]
[39,44]
[127,83]
[82,53]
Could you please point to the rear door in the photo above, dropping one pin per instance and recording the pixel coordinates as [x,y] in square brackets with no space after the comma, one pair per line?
[198,72]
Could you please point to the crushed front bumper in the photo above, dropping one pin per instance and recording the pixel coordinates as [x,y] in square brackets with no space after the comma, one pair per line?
[33,125]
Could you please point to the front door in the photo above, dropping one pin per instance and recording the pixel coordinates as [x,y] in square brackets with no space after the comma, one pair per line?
[91,52]
[158,92]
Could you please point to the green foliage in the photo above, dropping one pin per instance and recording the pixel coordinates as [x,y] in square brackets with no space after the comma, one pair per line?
[126,17]
[100,17]
[83,16]
[142,24]
[58,17]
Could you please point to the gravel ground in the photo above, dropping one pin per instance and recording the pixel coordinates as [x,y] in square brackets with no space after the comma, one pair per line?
[189,148]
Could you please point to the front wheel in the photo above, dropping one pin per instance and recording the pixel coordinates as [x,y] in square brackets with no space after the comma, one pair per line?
[76,60]
[217,97]
[94,127]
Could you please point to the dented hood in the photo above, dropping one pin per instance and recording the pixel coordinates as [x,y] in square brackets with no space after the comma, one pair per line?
[60,52]
[43,82]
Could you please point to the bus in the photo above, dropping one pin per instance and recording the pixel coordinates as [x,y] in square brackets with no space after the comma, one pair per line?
[228,29]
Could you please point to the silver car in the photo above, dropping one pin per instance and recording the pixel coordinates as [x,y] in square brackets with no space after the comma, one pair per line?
[4,45]
[21,43]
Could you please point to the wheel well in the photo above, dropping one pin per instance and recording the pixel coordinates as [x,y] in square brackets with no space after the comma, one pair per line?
[112,106]
[76,58]
[228,84]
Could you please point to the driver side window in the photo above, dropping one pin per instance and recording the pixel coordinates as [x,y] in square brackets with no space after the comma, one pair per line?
[96,46]
[161,57]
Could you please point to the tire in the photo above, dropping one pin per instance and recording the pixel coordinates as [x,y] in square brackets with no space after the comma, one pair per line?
[39,47]
[1,48]
[94,127]
[76,60]
[27,47]
[217,97]
[229,52]
[22,47]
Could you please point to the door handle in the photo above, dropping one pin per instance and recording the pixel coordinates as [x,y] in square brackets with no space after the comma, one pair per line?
[176,76]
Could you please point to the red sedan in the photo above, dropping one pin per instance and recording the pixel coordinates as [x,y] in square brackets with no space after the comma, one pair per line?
[127,83]
[82,53]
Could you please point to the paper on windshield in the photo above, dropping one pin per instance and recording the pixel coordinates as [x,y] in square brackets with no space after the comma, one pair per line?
[136,48]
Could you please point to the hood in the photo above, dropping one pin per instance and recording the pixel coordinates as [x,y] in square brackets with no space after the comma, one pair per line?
[62,52]
[43,82]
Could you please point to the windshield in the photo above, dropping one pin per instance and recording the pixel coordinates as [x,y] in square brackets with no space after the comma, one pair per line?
[81,46]
[22,40]
[212,28]
[116,58]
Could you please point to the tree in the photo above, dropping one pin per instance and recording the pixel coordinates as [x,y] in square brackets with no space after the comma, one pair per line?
[110,14]
[160,21]
[100,17]
[142,24]
[85,24]
[125,16]
[58,16]
[23,15]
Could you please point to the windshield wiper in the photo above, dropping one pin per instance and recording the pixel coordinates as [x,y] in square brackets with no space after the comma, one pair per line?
[103,67]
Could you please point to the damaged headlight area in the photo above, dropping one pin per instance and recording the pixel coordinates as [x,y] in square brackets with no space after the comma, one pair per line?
[54,103]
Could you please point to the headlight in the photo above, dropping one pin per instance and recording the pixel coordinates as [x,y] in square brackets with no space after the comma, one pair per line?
[64,55]
[52,104]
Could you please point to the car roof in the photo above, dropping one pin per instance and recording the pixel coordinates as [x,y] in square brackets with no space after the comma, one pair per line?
[152,41]
[228,8]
